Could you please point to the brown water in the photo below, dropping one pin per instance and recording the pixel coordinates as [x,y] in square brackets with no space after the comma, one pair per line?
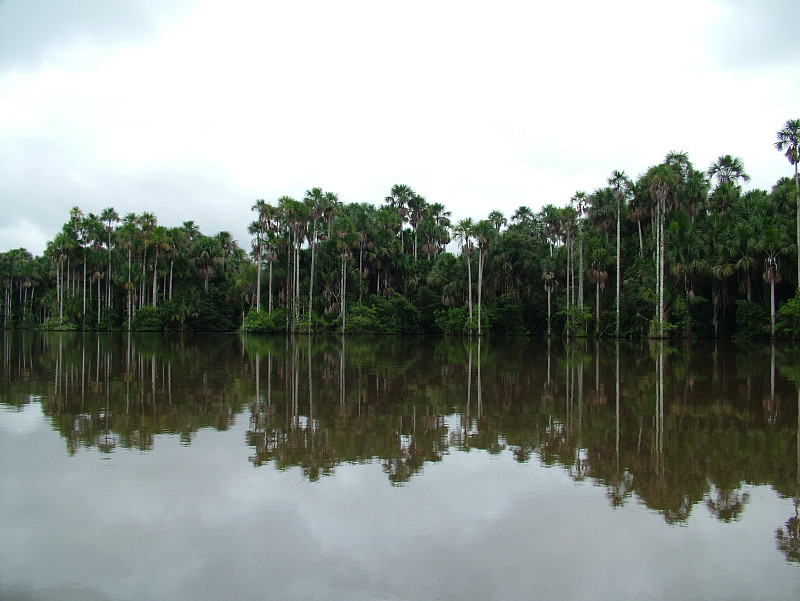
[230,467]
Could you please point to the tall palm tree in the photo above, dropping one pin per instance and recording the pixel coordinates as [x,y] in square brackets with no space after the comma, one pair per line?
[484,235]
[788,142]
[315,201]
[254,229]
[662,182]
[418,209]
[464,231]
[109,217]
[160,240]
[550,218]
[774,242]
[580,199]
[398,199]
[622,187]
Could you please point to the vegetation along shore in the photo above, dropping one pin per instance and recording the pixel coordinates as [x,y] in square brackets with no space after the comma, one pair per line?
[676,251]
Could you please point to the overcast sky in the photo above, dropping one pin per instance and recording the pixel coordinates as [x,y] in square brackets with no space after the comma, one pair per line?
[193,110]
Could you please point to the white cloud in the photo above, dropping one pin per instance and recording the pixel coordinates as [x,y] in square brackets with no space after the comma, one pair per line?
[473,106]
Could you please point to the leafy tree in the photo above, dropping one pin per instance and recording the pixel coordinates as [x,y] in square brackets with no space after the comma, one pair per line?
[788,142]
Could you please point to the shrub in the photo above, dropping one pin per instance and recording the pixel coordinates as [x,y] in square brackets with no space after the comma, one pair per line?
[147,319]
[787,321]
[752,321]
[265,322]
[505,315]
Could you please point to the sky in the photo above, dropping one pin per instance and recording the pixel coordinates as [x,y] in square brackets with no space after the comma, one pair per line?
[194,110]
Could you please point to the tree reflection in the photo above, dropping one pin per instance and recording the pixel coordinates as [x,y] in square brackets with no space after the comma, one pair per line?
[685,427]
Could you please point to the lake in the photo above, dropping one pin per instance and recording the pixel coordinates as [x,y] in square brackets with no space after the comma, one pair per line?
[191,466]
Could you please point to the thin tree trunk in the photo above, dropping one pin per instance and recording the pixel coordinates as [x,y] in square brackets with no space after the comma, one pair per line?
[549,331]
[311,284]
[619,259]
[641,241]
[580,265]
[343,288]
[772,306]
[469,285]
[480,287]
[155,280]
[597,308]
[258,282]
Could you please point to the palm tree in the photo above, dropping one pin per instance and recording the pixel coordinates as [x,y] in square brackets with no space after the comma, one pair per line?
[109,217]
[343,245]
[399,199]
[551,218]
[549,279]
[580,199]
[498,220]
[662,179]
[728,170]
[622,187]
[484,235]
[314,199]
[418,209]
[789,143]
[773,243]
[464,232]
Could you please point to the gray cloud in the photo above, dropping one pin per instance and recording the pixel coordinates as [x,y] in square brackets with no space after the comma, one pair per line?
[758,34]
[32,33]
[42,179]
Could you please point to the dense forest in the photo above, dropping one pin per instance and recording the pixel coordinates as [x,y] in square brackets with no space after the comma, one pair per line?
[676,251]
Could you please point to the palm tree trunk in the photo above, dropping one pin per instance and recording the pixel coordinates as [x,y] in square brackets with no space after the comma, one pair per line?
[619,259]
[84,288]
[108,274]
[343,289]
[597,308]
[797,185]
[258,281]
[61,294]
[469,291]
[772,306]
[580,265]
[480,288]
[641,241]
[662,249]
[155,279]
[269,307]
[549,331]
[311,284]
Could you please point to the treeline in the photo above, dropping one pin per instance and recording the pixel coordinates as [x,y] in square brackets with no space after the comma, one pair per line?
[678,251]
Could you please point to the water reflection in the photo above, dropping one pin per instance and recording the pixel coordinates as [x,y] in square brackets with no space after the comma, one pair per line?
[676,426]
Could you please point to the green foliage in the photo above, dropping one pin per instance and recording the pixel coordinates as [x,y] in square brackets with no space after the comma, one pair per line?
[504,315]
[576,322]
[264,322]
[381,315]
[787,321]
[680,318]
[54,325]
[453,320]
[147,319]
[752,321]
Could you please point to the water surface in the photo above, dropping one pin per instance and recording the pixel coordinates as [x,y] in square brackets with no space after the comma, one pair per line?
[232,467]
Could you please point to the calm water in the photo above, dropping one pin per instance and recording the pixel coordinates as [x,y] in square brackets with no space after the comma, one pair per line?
[229,467]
